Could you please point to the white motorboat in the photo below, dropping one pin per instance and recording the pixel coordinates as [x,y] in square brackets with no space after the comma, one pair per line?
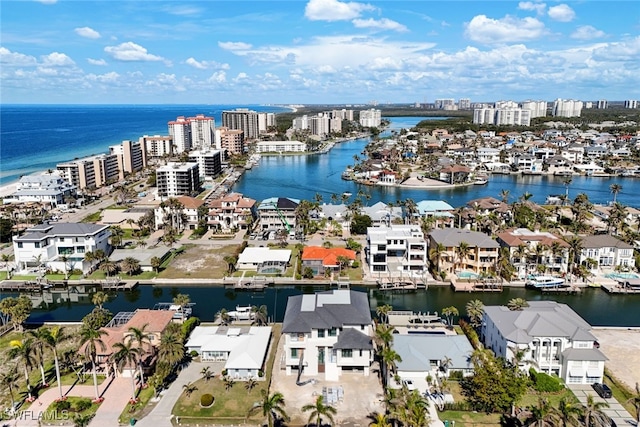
[542,282]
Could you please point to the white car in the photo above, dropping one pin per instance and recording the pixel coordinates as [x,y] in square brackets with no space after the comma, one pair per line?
[409,384]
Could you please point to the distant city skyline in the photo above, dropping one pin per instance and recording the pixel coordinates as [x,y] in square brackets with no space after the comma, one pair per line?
[317,52]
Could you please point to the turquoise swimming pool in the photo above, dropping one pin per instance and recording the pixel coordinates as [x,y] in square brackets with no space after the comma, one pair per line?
[622,276]
[467,275]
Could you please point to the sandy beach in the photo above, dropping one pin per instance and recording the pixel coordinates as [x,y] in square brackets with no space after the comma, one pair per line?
[8,189]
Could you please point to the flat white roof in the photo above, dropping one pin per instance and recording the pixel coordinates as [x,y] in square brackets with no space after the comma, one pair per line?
[259,255]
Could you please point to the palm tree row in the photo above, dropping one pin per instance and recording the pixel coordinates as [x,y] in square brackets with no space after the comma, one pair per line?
[569,412]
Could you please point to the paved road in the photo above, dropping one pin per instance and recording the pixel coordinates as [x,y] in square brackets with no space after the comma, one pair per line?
[615,410]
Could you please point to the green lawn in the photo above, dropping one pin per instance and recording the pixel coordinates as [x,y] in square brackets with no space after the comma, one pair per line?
[92,218]
[73,400]
[136,409]
[470,419]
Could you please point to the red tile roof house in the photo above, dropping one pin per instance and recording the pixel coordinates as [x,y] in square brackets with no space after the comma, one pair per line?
[118,331]
[321,259]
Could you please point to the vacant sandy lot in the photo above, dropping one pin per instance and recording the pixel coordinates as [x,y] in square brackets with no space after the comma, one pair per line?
[196,262]
[622,347]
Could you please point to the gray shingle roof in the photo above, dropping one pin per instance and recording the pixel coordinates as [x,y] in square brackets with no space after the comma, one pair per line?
[604,241]
[350,338]
[590,354]
[541,318]
[326,310]
[41,231]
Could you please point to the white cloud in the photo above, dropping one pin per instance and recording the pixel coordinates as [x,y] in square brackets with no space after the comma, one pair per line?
[87,32]
[218,77]
[380,24]
[130,51]
[620,51]
[104,78]
[241,77]
[562,13]
[325,69]
[15,58]
[234,45]
[539,8]
[334,10]
[587,32]
[203,65]
[183,10]
[56,59]
[386,63]
[506,30]
[96,61]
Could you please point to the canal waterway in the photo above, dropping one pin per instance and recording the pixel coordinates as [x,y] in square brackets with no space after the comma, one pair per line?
[301,177]
[594,305]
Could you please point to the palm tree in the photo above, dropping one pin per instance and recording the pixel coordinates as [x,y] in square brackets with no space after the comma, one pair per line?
[8,380]
[382,311]
[475,311]
[6,258]
[116,235]
[23,349]
[228,382]
[206,373]
[449,313]
[141,337]
[568,412]
[171,348]
[224,316]
[130,265]
[378,420]
[635,402]
[126,355]
[615,189]
[504,196]
[109,267]
[383,335]
[188,388]
[92,341]
[543,414]
[260,317]
[64,260]
[435,254]
[389,358]
[250,384]
[183,301]
[517,304]
[99,298]
[38,337]
[318,410]
[462,251]
[593,411]
[156,263]
[53,338]
[272,407]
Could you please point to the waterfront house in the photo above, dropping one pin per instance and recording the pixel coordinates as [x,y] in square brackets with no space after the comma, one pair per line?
[187,215]
[154,323]
[277,213]
[231,211]
[322,260]
[60,246]
[437,355]
[264,260]
[548,336]
[529,251]
[481,255]
[243,349]
[329,212]
[47,189]
[440,210]
[455,174]
[607,253]
[382,214]
[327,334]
[396,250]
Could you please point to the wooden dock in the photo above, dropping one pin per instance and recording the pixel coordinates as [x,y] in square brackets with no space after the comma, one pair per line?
[616,288]
[400,286]
[475,286]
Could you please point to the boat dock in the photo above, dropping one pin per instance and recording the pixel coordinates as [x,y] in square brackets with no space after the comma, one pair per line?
[400,286]
[561,290]
[625,287]
[40,285]
[487,285]
[256,283]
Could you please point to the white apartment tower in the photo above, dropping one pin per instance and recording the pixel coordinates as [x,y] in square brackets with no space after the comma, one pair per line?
[209,163]
[567,108]
[445,104]
[180,131]
[319,125]
[464,104]
[602,104]
[132,156]
[242,119]
[370,118]
[203,132]
[631,103]
[157,145]
[537,108]
[178,179]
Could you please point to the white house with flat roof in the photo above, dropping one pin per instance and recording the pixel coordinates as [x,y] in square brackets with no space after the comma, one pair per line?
[551,336]
[44,188]
[264,260]
[242,348]
[396,249]
[280,147]
[60,246]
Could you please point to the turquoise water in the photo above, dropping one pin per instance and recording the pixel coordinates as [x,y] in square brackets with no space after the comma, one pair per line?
[621,276]
[467,275]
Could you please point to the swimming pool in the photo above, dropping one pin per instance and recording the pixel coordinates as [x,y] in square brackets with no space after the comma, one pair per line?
[622,276]
[467,275]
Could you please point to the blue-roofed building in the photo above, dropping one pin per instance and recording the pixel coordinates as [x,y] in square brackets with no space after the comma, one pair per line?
[441,210]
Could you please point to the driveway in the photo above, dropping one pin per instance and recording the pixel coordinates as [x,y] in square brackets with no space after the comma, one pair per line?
[615,410]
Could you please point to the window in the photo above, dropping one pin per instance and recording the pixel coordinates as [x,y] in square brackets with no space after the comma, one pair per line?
[20,245]
[332,332]
[347,352]
[36,244]
[62,239]
[320,333]
[294,353]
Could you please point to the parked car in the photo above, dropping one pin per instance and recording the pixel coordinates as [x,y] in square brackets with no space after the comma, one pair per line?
[603,390]
[409,384]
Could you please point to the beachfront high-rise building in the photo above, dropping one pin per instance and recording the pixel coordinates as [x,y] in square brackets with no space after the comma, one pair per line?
[266,121]
[91,172]
[506,104]
[343,114]
[537,108]
[209,163]
[506,114]
[242,119]
[370,118]
[464,104]
[230,140]
[157,145]
[178,179]
[132,156]
[445,104]
[180,131]
[319,125]
[202,132]
[300,123]
[602,104]
[566,108]
[631,103]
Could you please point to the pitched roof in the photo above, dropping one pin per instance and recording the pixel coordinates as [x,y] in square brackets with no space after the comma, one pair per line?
[190,202]
[417,350]
[604,241]
[350,338]
[452,237]
[41,231]
[282,203]
[326,310]
[329,256]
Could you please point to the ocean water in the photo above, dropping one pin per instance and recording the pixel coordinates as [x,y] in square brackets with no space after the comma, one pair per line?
[35,138]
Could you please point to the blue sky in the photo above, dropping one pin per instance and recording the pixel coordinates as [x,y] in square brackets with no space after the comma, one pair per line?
[317,51]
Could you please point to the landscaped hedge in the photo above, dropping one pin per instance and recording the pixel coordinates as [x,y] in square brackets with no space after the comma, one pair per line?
[189,325]
[544,383]
[82,404]
[206,400]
